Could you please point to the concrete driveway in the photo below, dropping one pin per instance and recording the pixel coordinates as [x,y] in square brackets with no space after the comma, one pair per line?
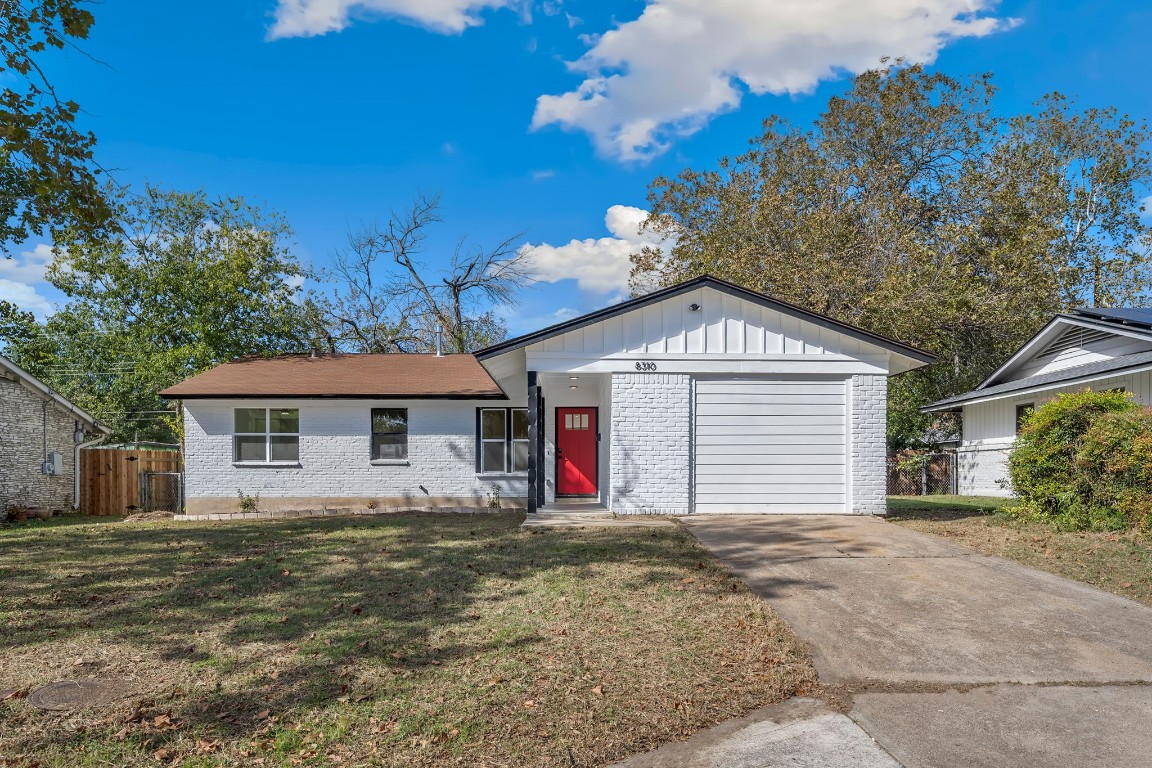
[944,656]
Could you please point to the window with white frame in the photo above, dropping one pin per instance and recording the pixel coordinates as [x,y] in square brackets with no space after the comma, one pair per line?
[503,440]
[389,434]
[266,435]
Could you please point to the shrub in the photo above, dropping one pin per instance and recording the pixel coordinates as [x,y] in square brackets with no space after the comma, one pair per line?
[1043,466]
[1115,462]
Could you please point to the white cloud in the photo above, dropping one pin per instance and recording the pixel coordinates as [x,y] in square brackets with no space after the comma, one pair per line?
[308,18]
[1146,214]
[19,276]
[684,61]
[599,265]
[543,175]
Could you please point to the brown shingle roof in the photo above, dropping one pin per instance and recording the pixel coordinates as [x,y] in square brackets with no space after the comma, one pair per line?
[343,376]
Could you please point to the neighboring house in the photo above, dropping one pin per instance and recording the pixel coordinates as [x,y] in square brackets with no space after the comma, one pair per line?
[702,397]
[1091,348]
[40,434]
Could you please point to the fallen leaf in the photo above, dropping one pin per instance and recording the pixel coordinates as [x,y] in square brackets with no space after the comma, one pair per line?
[598,690]
[262,714]
[1126,585]
[161,754]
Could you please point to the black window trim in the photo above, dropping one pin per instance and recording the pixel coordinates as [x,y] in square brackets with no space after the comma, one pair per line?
[1022,410]
[372,435]
[509,442]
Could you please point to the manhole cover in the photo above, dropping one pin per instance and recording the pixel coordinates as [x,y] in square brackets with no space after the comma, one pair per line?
[74,694]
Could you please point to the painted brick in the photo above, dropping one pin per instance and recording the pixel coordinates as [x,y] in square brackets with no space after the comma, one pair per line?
[650,437]
[869,444]
[28,425]
[335,459]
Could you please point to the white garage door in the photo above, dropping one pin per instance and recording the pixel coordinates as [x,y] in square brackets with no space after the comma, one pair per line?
[771,445]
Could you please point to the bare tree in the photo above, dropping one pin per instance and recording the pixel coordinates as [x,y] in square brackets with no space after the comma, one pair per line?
[387,300]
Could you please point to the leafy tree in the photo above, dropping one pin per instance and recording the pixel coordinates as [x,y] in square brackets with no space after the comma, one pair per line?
[384,298]
[189,283]
[48,178]
[910,209]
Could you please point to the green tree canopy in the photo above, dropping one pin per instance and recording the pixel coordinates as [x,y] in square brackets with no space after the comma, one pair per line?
[48,178]
[911,209]
[189,283]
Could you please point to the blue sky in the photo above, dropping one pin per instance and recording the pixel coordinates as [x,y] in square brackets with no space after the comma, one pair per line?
[546,118]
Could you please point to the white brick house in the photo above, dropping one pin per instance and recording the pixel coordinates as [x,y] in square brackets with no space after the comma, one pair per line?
[699,398]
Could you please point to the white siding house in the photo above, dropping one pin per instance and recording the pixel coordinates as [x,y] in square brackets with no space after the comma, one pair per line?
[700,398]
[1092,348]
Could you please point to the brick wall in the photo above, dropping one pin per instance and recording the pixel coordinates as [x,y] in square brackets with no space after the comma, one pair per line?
[22,419]
[651,435]
[335,461]
[869,444]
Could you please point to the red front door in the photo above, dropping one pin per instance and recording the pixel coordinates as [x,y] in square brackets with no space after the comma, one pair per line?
[576,451]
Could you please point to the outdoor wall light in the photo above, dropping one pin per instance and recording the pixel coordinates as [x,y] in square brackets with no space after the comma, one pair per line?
[571,386]
[693,307]
[574,378]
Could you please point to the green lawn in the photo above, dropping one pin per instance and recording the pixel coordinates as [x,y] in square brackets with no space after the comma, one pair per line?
[392,640]
[1116,562]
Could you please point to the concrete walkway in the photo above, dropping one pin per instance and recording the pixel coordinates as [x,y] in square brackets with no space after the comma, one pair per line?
[946,657]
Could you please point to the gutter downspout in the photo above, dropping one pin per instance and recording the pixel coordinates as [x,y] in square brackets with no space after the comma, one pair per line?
[76,468]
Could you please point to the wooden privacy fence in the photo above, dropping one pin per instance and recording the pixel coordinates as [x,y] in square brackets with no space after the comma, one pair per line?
[117,482]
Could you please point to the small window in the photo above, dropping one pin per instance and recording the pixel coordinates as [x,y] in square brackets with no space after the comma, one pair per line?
[266,435]
[503,440]
[389,433]
[1022,412]
[520,440]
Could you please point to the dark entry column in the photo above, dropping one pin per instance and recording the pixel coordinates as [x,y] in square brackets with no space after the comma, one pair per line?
[535,444]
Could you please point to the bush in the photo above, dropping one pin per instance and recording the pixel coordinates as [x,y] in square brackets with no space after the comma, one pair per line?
[1043,466]
[1115,462]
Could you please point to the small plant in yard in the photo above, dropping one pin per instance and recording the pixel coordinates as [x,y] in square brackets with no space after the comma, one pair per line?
[248,503]
[494,497]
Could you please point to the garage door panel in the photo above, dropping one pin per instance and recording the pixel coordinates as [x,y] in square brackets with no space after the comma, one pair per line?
[766,425]
[754,391]
[756,490]
[722,478]
[770,509]
[725,442]
[767,436]
[749,462]
[737,500]
[767,446]
[786,417]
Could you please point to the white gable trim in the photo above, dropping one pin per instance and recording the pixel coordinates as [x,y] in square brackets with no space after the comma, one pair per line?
[1047,335]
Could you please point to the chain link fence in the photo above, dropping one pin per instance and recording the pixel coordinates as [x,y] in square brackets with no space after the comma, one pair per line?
[922,474]
[161,491]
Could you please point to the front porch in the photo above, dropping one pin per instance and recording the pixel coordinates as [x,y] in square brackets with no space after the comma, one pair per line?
[587,513]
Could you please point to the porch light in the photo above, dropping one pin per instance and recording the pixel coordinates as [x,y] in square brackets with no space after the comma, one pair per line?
[78,434]
[571,386]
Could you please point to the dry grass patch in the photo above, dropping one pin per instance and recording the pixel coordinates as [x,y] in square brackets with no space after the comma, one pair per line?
[406,640]
[1116,562]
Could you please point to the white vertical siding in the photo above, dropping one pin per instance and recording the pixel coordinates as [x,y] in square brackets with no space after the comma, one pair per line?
[724,324]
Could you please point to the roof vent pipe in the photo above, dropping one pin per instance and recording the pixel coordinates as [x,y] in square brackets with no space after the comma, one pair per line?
[439,343]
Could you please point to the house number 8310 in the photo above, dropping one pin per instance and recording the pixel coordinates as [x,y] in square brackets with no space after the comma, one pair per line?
[645,366]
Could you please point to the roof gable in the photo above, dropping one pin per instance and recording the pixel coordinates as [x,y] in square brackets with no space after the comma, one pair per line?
[731,336]
[1069,341]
